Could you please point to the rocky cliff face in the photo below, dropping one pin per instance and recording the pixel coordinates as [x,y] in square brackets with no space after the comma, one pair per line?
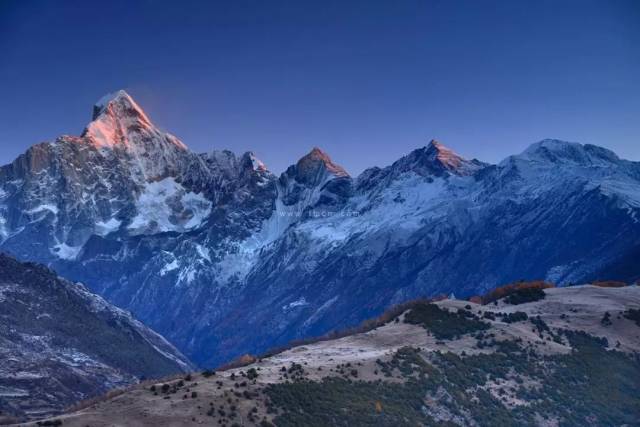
[224,258]
[59,343]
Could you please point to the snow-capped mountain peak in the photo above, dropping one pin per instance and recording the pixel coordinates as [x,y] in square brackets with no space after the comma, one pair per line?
[447,157]
[318,157]
[119,122]
[436,159]
[315,168]
[254,163]
[557,151]
[117,100]
[149,224]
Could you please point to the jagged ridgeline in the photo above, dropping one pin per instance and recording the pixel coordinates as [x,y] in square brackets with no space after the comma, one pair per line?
[224,258]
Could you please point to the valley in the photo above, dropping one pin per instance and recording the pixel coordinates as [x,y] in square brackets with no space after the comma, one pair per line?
[545,362]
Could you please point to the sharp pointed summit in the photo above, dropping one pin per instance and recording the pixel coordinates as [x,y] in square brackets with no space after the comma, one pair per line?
[314,171]
[252,162]
[119,122]
[117,100]
[437,151]
[437,159]
[317,163]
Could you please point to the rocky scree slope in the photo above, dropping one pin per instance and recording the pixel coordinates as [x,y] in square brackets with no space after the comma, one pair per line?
[59,343]
[224,258]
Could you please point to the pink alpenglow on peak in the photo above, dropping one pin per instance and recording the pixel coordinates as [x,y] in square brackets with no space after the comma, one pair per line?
[318,158]
[449,160]
[436,159]
[119,122]
[445,155]
[255,163]
[120,99]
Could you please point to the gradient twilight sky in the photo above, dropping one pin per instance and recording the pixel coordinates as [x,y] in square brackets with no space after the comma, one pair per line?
[367,81]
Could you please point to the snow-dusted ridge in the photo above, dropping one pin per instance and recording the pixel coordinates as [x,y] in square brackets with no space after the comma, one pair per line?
[187,241]
[60,343]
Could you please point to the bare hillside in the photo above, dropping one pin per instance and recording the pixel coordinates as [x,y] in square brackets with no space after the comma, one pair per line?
[565,356]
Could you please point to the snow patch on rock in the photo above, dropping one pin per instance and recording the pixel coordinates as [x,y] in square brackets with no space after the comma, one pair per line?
[165,206]
[104,228]
[66,252]
[46,207]
[173,265]
[297,303]
[203,252]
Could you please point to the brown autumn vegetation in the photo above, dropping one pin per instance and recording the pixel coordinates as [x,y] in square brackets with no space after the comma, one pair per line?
[506,290]
[476,299]
[238,362]
[609,284]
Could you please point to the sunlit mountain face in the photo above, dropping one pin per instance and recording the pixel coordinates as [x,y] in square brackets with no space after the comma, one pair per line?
[223,257]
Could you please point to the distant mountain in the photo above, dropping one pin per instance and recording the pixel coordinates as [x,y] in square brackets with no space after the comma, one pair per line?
[224,258]
[59,343]
[566,356]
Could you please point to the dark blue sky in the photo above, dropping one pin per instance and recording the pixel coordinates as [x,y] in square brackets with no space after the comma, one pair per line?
[368,81]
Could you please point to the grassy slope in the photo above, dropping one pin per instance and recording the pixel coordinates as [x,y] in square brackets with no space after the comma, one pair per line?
[558,365]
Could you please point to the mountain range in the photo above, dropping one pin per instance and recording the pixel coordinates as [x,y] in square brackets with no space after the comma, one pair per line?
[222,257]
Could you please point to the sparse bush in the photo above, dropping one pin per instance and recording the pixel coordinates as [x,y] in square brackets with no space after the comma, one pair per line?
[525,295]
[444,324]
[518,316]
[606,319]
[489,315]
[208,373]
[252,374]
[633,314]
[504,291]
[540,325]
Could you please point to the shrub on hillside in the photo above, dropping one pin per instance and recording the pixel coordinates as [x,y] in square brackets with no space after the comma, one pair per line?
[633,314]
[252,374]
[504,291]
[524,295]
[518,316]
[444,324]
[208,373]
